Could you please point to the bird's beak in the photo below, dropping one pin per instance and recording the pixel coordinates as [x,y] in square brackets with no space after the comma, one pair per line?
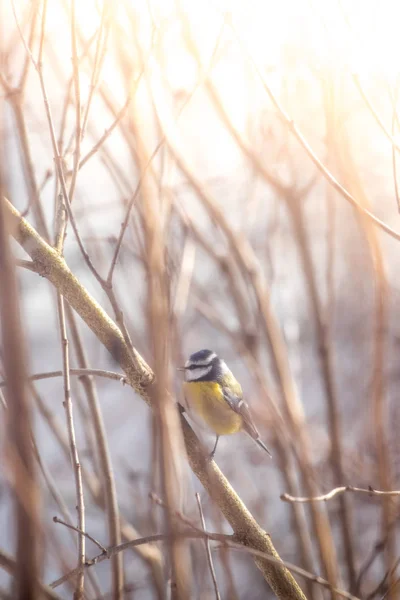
[181,368]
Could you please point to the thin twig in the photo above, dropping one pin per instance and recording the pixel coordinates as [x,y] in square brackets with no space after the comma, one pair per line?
[128,211]
[81,532]
[60,234]
[67,99]
[208,549]
[119,116]
[16,98]
[325,361]
[339,490]
[376,550]
[373,112]
[98,61]
[150,554]
[227,541]
[73,448]
[25,69]
[110,491]
[59,500]
[388,580]
[79,372]
[57,157]
[306,146]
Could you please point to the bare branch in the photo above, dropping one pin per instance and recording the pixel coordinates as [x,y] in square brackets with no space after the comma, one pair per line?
[76,465]
[81,532]
[20,460]
[318,163]
[139,376]
[208,549]
[78,372]
[340,490]
[226,541]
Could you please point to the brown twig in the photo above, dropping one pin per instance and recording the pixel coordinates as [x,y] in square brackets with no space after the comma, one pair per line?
[20,460]
[208,549]
[150,554]
[340,490]
[77,90]
[364,568]
[113,517]
[76,465]
[373,112]
[326,364]
[79,373]
[81,532]
[170,433]
[57,157]
[101,46]
[227,542]
[380,348]
[59,500]
[119,116]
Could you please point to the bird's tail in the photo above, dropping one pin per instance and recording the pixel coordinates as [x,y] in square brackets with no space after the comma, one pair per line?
[263,446]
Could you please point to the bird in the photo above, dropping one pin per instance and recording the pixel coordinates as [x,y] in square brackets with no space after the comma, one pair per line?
[212,392]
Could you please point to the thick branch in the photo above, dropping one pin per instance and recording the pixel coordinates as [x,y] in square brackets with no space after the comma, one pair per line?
[51,265]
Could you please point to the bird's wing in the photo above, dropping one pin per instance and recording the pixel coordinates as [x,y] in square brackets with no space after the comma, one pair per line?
[240,406]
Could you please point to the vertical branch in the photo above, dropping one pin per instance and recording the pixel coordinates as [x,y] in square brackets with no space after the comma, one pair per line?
[16,101]
[379,405]
[105,459]
[379,408]
[77,90]
[29,536]
[149,553]
[324,356]
[61,208]
[171,446]
[80,506]
[325,329]
[101,48]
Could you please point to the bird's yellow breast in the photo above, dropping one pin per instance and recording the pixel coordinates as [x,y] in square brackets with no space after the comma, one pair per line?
[207,400]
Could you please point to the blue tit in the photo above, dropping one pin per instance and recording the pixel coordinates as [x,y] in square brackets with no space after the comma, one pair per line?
[213,393]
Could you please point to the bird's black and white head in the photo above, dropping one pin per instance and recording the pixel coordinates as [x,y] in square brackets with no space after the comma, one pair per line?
[205,365]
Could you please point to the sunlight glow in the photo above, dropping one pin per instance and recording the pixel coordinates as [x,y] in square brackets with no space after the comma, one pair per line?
[359,35]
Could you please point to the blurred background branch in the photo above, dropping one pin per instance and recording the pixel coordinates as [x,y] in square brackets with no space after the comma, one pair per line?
[216,175]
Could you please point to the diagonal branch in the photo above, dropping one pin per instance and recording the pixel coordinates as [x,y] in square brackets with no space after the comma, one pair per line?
[247,531]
